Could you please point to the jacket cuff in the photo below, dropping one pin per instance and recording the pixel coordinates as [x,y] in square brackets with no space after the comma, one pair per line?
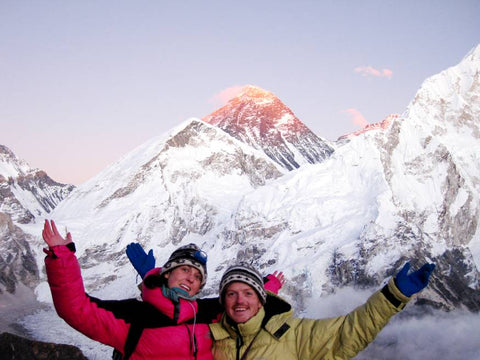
[394,295]
[59,249]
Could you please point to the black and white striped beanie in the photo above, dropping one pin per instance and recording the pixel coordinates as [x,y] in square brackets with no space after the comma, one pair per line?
[190,255]
[245,274]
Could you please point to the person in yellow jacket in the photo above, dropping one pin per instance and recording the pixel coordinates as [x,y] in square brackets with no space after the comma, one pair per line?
[259,325]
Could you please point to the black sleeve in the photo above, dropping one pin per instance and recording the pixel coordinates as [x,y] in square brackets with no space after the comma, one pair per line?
[135,311]
[208,310]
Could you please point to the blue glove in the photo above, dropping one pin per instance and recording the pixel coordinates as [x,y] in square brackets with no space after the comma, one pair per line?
[416,281]
[142,262]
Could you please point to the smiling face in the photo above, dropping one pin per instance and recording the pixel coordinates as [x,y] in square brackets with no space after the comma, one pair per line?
[185,277]
[241,302]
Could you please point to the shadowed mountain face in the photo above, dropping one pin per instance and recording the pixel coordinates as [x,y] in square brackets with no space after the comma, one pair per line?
[17,262]
[259,119]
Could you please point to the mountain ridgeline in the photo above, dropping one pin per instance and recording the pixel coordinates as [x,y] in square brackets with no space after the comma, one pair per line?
[250,182]
[25,194]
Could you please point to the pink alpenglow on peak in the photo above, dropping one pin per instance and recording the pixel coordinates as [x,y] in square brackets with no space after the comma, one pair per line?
[251,91]
[382,125]
[269,111]
[260,119]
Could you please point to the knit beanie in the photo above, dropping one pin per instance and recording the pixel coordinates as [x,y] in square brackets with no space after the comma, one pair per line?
[190,255]
[245,274]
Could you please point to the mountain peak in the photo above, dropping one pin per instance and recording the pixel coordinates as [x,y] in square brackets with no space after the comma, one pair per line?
[252,108]
[474,53]
[5,150]
[260,119]
[27,192]
[382,125]
[255,93]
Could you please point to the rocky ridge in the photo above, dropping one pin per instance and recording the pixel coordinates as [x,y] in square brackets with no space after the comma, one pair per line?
[27,193]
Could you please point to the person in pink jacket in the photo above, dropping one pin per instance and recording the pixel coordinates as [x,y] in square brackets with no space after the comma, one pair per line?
[168,324]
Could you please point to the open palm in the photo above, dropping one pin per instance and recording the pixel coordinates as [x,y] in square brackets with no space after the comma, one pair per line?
[51,235]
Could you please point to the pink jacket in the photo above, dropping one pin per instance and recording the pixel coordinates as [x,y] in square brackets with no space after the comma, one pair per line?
[160,337]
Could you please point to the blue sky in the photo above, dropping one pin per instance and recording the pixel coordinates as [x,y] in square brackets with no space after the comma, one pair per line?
[84,82]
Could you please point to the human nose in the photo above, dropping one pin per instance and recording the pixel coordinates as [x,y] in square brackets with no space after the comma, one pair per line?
[190,277]
[240,299]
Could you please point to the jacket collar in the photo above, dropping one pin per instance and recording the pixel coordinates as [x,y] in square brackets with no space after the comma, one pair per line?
[184,311]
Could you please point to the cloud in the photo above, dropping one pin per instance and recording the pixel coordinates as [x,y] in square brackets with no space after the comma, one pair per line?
[357,117]
[371,71]
[420,333]
[225,95]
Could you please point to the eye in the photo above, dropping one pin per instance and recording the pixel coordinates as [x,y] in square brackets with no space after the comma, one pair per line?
[198,277]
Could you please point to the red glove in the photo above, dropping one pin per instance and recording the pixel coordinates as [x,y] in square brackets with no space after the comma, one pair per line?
[274,282]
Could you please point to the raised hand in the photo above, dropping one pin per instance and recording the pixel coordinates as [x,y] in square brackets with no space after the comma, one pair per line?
[51,235]
[415,282]
[141,261]
[275,281]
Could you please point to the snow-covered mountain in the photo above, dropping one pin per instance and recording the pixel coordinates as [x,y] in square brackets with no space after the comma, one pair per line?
[180,187]
[258,118]
[406,189]
[25,194]
[18,263]
[382,125]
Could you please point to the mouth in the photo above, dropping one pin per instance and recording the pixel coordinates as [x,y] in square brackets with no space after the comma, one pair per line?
[240,309]
[185,287]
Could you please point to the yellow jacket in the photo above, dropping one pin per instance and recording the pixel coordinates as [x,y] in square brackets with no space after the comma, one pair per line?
[273,333]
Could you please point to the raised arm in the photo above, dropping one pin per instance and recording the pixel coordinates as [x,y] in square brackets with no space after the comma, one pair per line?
[71,302]
[344,336]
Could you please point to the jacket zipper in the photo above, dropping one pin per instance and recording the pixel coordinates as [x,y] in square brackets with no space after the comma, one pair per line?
[239,343]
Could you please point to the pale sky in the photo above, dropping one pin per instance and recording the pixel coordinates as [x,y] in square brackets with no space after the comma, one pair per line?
[84,82]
